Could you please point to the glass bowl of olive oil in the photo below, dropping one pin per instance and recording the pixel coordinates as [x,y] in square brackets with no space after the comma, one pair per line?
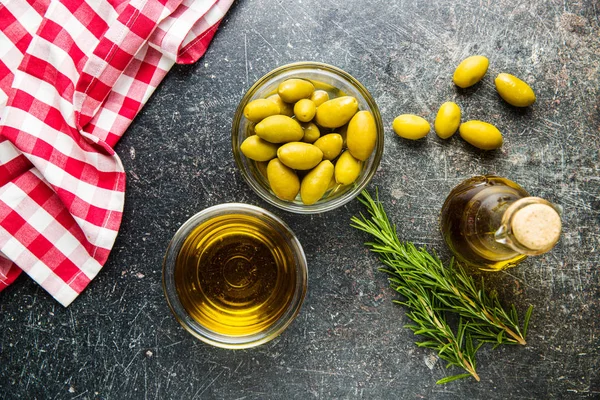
[336,83]
[235,276]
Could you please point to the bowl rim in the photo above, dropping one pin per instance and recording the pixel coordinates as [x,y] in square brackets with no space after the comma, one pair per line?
[207,335]
[320,206]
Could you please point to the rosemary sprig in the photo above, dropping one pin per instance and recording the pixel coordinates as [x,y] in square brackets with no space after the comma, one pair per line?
[431,290]
[457,349]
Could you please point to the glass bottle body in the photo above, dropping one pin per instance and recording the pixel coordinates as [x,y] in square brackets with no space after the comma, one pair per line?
[477,221]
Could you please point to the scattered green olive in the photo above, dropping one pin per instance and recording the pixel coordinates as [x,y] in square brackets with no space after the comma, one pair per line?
[514,91]
[447,120]
[470,71]
[481,134]
[410,126]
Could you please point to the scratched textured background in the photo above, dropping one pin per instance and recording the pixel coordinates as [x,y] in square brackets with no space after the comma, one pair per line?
[119,340]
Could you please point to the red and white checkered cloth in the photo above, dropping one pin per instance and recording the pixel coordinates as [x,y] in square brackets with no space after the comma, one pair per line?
[73,75]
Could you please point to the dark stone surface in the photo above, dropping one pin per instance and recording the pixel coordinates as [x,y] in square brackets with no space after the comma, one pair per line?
[118,340]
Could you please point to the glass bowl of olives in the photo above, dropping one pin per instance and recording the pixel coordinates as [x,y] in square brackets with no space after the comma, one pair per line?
[307,137]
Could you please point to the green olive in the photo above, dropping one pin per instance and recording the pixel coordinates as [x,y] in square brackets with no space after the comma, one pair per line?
[336,112]
[311,132]
[294,89]
[514,91]
[361,135]
[410,126]
[481,134]
[447,120]
[283,180]
[299,155]
[259,109]
[285,108]
[347,168]
[316,182]
[319,97]
[305,110]
[470,71]
[279,129]
[258,149]
[330,145]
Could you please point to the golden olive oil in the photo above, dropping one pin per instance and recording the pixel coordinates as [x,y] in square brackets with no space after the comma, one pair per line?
[472,214]
[235,274]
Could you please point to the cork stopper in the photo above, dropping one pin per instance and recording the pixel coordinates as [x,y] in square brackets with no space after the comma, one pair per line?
[536,226]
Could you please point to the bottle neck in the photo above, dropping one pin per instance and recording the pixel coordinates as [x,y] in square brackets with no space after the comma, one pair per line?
[530,226]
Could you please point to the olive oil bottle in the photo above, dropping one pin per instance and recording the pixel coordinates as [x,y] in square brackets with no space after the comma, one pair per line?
[235,275]
[492,223]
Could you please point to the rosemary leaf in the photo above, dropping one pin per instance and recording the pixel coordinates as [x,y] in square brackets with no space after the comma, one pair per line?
[452,378]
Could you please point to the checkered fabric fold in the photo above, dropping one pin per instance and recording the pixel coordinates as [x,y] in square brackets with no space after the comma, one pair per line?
[73,75]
